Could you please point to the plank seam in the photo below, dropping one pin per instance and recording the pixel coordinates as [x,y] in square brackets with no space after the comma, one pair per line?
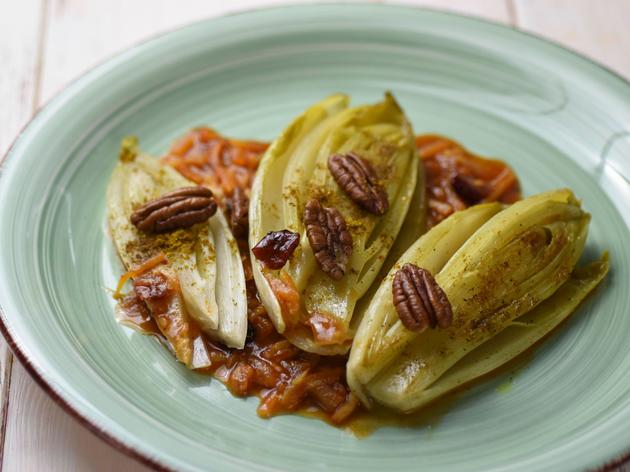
[39,65]
[512,12]
[6,388]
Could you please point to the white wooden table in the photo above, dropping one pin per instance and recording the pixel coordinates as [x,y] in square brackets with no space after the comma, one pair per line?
[46,43]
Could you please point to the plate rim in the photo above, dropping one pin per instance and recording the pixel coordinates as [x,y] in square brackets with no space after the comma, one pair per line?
[30,366]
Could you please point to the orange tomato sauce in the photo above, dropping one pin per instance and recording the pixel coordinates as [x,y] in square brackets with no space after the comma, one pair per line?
[207,158]
[457,178]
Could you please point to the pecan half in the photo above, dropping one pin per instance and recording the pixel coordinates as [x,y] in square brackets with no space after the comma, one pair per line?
[419,300]
[181,208]
[329,237]
[357,178]
[239,212]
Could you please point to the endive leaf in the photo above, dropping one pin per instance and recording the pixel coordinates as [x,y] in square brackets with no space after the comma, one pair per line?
[377,341]
[511,263]
[294,171]
[525,332]
[413,227]
[230,294]
[214,299]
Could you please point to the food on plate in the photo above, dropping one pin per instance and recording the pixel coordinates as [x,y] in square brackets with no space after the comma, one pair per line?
[456,178]
[285,377]
[180,253]
[460,285]
[264,264]
[340,180]
[223,165]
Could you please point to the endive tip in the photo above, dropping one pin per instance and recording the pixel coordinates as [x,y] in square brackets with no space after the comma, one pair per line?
[564,195]
[336,96]
[389,97]
[603,261]
[571,198]
[601,265]
[332,101]
[129,149]
[359,389]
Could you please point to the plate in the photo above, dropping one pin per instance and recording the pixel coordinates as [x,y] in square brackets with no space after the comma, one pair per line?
[557,118]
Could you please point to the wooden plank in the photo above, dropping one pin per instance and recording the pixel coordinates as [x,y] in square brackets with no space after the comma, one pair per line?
[20,41]
[41,436]
[600,30]
[495,10]
[83,33]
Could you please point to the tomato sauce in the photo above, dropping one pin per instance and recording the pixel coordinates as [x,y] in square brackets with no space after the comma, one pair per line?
[285,377]
[207,158]
[457,178]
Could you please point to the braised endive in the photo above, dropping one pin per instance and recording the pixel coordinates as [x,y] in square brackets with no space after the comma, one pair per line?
[510,277]
[296,170]
[201,263]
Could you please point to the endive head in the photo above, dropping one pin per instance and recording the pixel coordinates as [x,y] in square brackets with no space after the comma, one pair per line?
[339,179]
[494,265]
[214,299]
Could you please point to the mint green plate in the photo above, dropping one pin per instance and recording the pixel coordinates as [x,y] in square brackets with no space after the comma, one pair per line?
[557,118]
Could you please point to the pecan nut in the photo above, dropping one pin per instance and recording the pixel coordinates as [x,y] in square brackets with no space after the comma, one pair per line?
[329,238]
[178,209]
[419,300]
[357,178]
[239,212]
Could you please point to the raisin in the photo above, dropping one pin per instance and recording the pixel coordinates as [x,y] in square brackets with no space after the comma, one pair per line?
[275,249]
[469,189]
[250,333]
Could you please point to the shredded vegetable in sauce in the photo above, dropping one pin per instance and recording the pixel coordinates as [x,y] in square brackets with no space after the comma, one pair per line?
[286,378]
[457,178]
[207,158]
[142,269]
